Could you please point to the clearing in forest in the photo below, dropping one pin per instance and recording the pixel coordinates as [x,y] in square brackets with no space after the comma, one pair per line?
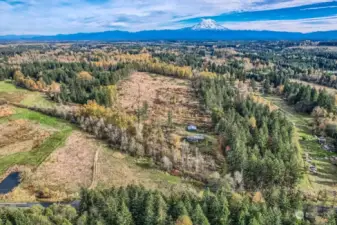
[162,95]
[56,159]
[118,169]
[168,99]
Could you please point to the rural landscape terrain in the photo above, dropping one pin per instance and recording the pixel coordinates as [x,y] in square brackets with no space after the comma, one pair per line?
[200,133]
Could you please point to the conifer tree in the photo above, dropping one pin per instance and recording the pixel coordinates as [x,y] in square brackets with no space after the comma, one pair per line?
[198,217]
[124,217]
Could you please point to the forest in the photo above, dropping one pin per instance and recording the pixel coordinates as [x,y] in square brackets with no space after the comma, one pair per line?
[135,205]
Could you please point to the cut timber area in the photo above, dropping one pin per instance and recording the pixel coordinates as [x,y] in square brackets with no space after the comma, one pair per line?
[162,94]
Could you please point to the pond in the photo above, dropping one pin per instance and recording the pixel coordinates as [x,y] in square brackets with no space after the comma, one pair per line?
[9,183]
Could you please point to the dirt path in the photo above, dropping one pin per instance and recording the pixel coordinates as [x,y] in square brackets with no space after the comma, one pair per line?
[94,171]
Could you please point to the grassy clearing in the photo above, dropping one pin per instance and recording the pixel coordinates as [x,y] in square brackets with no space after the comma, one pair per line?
[11,93]
[40,118]
[68,168]
[6,86]
[117,169]
[37,99]
[37,155]
[326,178]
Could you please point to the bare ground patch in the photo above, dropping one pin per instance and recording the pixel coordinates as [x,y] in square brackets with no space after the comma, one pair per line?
[20,136]
[68,168]
[6,110]
[162,94]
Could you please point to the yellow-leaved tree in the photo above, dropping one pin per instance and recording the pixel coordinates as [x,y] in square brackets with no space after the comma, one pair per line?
[111,115]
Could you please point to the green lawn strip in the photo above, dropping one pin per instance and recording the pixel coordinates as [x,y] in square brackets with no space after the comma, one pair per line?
[36,156]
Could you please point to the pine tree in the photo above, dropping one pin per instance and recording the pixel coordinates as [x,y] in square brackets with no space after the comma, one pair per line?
[124,217]
[148,213]
[223,213]
[177,209]
[198,217]
[160,211]
[253,221]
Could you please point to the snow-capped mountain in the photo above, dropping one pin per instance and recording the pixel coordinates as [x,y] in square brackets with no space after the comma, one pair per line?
[208,24]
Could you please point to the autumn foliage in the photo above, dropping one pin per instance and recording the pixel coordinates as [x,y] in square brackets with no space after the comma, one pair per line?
[110,115]
[165,69]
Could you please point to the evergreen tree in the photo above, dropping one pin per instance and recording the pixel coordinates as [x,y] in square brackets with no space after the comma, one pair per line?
[160,211]
[124,217]
[198,217]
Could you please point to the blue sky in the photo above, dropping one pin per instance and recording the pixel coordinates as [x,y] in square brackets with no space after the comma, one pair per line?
[72,16]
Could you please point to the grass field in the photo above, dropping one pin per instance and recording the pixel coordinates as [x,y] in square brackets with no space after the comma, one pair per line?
[117,169]
[37,155]
[326,177]
[11,93]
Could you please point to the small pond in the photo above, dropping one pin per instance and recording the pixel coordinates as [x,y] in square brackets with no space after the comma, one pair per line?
[9,183]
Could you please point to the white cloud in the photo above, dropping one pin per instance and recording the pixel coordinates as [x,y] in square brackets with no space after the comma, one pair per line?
[288,4]
[323,7]
[71,16]
[303,25]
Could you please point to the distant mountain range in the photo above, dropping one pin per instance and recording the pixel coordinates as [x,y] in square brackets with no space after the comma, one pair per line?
[206,30]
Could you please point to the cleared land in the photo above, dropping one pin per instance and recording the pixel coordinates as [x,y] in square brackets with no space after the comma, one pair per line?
[20,136]
[162,94]
[117,169]
[165,95]
[326,177]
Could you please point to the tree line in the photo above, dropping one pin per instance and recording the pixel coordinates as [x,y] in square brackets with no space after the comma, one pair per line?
[135,205]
